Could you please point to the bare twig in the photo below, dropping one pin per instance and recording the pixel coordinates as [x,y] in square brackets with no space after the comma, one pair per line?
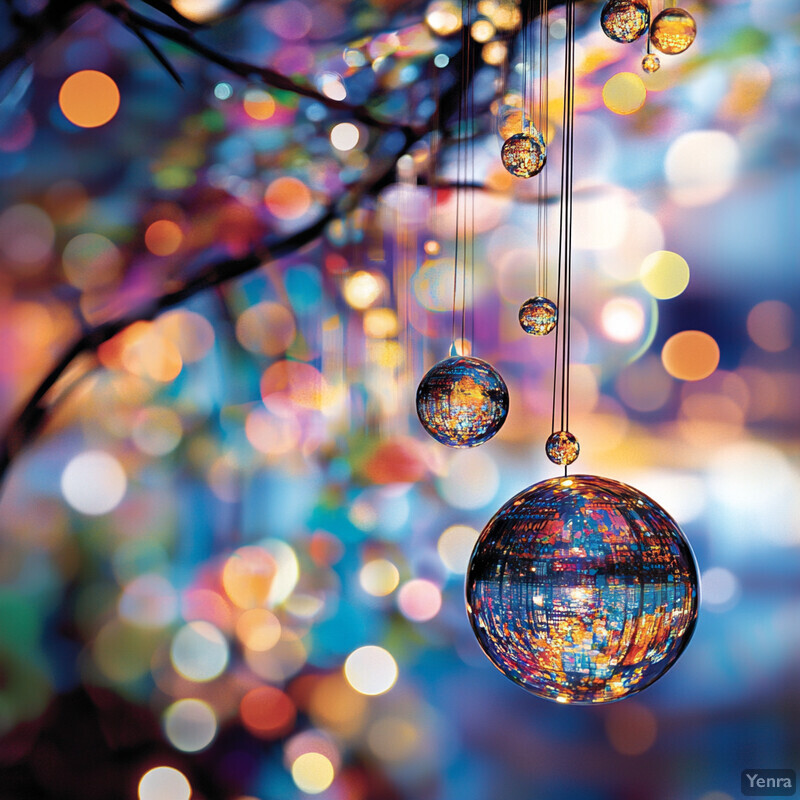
[244,69]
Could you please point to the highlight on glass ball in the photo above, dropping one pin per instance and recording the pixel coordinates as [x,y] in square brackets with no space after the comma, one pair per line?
[582,590]
[625,20]
[562,448]
[524,154]
[673,31]
[462,401]
[538,316]
[651,63]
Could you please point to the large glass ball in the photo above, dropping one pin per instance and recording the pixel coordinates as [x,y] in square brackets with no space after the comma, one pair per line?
[562,448]
[673,30]
[538,316]
[462,401]
[524,154]
[582,590]
[625,20]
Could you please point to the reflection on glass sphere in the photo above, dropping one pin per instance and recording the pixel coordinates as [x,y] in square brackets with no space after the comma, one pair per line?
[651,63]
[462,401]
[673,30]
[625,20]
[538,316]
[582,590]
[524,154]
[562,448]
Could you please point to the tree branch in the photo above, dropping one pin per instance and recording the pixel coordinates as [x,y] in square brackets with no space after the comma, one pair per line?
[244,69]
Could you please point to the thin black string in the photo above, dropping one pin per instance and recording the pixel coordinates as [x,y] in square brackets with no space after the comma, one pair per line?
[467,149]
[567,359]
[567,172]
[458,167]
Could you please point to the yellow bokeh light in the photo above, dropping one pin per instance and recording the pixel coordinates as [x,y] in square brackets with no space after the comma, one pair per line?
[482,30]
[89,98]
[380,323]
[664,274]
[164,783]
[371,670]
[258,629]
[247,576]
[624,93]
[379,577]
[312,772]
[258,104]
[690,355]
[443,17]
[361,289]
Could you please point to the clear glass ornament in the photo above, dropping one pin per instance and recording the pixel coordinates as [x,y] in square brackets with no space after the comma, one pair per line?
[582,590]
[538,316]
[651,63]
[625,20]
[462,401]
[673,30]
[524,154]
[562,448]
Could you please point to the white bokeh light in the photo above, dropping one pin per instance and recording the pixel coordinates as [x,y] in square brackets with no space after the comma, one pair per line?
[94,482]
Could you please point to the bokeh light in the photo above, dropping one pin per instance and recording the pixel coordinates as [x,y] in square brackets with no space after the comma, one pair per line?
[312,772]
[622,319]
[199,651]
[379,577]
[190,725]
[455,547]
[345,136]
[287,198]
[371,670]
[94,482]
[690,355]
[164,783]
[163,237]
[419,600]
[770,325]
[624,93]
[89,98]
[267,712]
[664,274]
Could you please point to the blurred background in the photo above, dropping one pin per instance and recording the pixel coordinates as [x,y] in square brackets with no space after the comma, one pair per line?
[232,561]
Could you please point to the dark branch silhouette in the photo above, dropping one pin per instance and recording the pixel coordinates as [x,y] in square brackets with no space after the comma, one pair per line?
[33,414]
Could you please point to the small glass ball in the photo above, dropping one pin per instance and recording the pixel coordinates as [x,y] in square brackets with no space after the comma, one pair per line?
[651,63]
[625,20]
[462,401]
[582,590]
[673,30]
[562,448]
[524,154]
[538,316]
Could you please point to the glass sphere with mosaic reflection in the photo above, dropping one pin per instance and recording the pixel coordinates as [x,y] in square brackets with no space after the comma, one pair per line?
[651,63]
[673,31]
[524,154]
[625,20]
[462,401]
[562,448]
[582,590]
[538,316]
